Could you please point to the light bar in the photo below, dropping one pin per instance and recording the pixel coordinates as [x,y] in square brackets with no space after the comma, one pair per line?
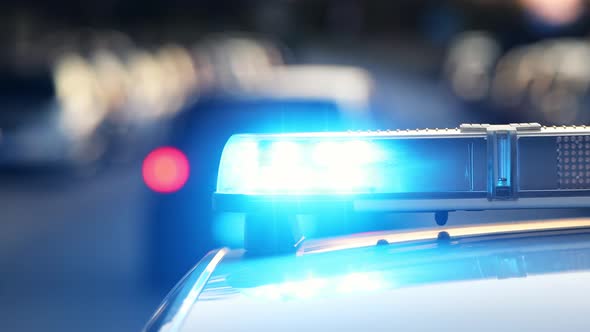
[471,167]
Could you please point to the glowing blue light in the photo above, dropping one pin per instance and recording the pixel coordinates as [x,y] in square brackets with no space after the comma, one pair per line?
[285,170]
[228,229]
[320,287]
[257,165]
[354,163]
[360,282]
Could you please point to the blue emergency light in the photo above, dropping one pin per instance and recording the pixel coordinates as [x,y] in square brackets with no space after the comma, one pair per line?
[473,167]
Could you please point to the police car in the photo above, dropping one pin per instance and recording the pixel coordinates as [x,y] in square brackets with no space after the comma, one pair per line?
[280,98]
[519,276]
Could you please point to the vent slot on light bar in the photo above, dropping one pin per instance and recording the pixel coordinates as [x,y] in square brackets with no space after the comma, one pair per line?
[573,162]
[554,163]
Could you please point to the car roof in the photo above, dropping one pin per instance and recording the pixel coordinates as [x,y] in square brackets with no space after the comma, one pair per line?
[539,303]
[460,276]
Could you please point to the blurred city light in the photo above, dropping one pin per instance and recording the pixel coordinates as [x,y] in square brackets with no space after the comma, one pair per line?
[80,94]
[165,170]
[470,63]
[553,12]
[549,77]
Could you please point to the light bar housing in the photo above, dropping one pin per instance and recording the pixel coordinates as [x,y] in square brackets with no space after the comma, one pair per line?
[473,167]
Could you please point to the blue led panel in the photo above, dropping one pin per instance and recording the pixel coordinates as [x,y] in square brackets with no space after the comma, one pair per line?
[349,164]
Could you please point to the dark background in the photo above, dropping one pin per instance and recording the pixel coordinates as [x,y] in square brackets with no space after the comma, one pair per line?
[85,245]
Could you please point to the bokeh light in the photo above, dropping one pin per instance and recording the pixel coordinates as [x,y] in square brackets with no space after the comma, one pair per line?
[165,170]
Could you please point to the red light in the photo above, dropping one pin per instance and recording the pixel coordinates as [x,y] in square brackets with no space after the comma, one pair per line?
[165,170]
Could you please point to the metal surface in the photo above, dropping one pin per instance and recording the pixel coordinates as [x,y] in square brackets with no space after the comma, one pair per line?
[366,240]
[172,312]
[510,276]
[428,205]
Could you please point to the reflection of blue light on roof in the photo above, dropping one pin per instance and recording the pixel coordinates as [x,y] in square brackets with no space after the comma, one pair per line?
[315,287]
[359,282]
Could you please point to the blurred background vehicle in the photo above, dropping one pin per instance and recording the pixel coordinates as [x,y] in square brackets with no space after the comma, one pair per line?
[113,115]
[276,98]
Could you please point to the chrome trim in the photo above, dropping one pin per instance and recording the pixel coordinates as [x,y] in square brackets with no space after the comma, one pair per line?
[428,205]
[457,232]
[464,131]
[171,314]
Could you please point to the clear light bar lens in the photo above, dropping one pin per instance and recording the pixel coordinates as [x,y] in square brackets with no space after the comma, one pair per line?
[262,165]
